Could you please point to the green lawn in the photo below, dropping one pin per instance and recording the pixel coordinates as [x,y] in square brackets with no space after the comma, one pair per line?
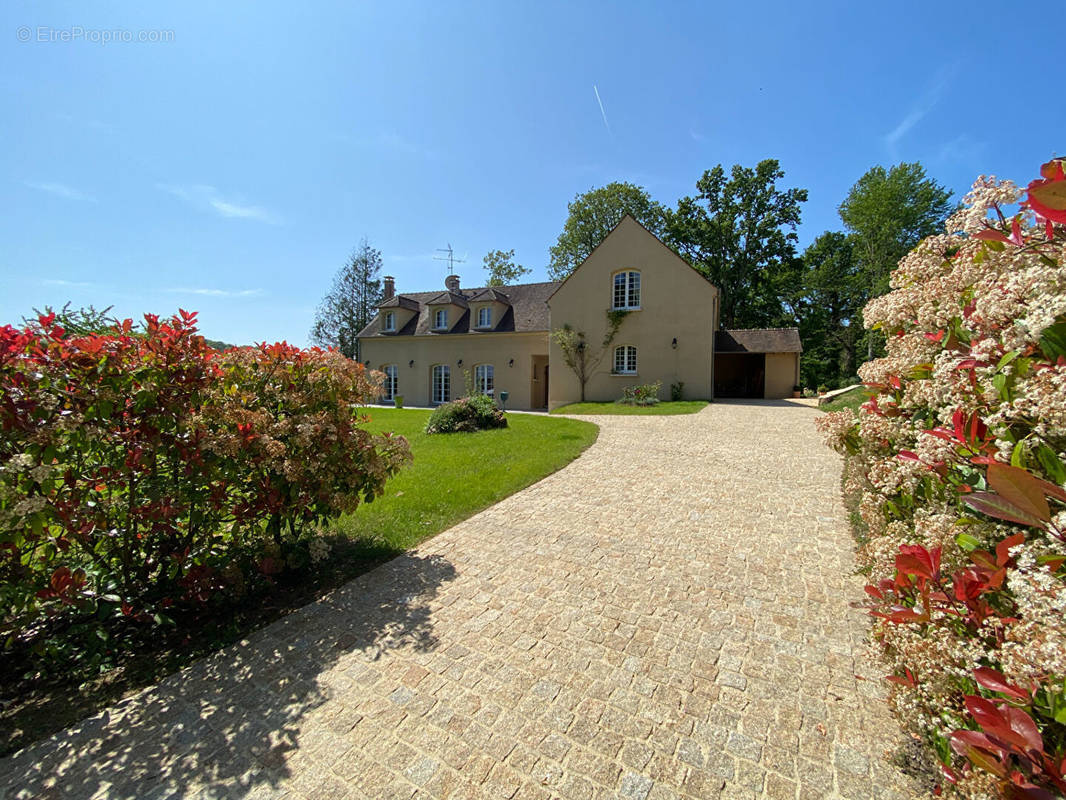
[676,407]
[455,475]
[852,399]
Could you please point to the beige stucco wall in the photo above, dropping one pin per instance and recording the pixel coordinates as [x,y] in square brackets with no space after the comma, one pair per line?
[676,302]
[414,383]
[782,373]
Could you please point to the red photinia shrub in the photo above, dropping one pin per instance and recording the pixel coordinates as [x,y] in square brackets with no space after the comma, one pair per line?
[958,461]
[143,469]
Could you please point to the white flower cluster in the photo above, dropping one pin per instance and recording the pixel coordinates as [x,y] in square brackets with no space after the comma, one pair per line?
[963,324]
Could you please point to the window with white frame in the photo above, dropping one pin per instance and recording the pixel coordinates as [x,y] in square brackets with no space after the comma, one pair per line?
[390,321]
[484,378]
[440,318]
[625,360]
[484,317]
[391,381]
[626,290]
[442,383]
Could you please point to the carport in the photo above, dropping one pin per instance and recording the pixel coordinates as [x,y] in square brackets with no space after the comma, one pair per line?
[756,363]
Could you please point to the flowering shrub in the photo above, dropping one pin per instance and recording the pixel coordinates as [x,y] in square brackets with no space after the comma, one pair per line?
[141,471]
[647,394]
[956,464]
[477,412]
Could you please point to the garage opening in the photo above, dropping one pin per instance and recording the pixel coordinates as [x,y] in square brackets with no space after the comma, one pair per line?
[740,375]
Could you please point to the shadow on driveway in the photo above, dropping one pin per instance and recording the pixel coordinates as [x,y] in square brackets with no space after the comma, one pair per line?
[232,721]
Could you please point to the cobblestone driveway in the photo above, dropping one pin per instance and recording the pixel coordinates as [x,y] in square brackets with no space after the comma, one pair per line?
[666,617]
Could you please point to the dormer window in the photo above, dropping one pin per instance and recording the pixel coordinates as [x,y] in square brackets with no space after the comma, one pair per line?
[440,319]
[389,323]
[484,317]
[626,294]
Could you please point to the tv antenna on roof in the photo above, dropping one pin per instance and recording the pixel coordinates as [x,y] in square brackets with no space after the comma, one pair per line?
[450,258]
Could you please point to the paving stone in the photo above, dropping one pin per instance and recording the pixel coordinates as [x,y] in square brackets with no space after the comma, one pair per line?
[618,629]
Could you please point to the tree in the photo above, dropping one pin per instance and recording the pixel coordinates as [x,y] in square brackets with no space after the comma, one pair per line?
[889,212]
[577,353]
[830,319]
[502,269]
[593,215]
[740,231]
[350,303]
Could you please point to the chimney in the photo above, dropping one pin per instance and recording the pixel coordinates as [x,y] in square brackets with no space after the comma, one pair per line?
[452,283]
[390,287]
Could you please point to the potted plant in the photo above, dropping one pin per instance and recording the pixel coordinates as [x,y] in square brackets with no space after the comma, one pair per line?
[797,391]
[397,400]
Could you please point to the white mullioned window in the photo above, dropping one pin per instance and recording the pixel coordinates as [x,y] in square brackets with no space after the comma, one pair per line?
[484,378]
[391,381]
[440,318]
[626,290]
[390,321]
[625,360]
[484,317]
[442,383]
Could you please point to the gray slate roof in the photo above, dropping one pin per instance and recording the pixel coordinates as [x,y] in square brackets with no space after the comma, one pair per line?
[758,340]
[528,312]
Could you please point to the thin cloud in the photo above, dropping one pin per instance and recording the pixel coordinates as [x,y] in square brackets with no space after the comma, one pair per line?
[920,108]
[60,190]
[205,292]
[208,198]
[603,112]
[61,282]
[697,136]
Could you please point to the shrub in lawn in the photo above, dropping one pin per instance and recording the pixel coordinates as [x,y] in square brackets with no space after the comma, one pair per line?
[646,394]
[466,415]
[143,470]
[677,391]
[956,467]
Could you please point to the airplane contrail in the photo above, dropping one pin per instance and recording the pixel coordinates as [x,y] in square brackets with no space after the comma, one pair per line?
[603,113]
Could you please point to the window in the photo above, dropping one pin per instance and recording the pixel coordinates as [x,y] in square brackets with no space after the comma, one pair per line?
[440,319]
[390,381]
[390,321]
[484,379]
[484,317]
[626,290]
[442,383]
[625,360]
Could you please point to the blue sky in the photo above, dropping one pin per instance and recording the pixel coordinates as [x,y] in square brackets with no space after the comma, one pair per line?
[233,166]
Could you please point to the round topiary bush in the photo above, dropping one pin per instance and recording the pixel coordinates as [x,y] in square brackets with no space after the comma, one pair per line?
[466,415]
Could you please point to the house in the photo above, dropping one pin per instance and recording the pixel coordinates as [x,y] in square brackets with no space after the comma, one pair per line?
[665,315]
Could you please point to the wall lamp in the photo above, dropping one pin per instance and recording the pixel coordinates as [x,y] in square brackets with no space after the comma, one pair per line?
[510,363]
[459,362]
[411,363]
[673,344]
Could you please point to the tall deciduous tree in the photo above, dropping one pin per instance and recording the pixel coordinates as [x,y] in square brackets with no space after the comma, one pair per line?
[351,301]
[593,215]
[830,319]
[502,269]
[740,231]
[889,212]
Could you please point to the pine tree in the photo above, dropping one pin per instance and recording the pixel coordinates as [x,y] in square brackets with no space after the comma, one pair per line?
[350,303]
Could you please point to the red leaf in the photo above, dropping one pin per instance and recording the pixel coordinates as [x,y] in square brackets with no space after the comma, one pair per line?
[996,682]
[1019,487]
[1003,548]
[1016,231]
[1048,199]
[985,713]
[991,235]
[995,506]
[1022,724]
[907,455]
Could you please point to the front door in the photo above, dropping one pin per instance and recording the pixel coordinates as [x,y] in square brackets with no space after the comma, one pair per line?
[538,388]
